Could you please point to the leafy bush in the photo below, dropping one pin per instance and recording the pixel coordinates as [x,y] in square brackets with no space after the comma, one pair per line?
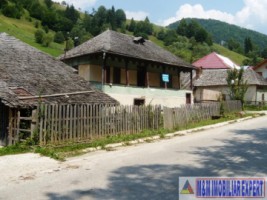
[11,10]
[69,44]
[59,37]
[39,35]
[47,39]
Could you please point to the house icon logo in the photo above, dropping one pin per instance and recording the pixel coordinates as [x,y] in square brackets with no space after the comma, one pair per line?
[187,189]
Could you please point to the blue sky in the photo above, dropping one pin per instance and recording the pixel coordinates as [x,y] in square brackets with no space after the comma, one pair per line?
[250,14]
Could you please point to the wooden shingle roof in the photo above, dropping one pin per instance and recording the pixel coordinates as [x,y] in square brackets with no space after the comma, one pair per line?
[38,74]
[217,77]
[125,45]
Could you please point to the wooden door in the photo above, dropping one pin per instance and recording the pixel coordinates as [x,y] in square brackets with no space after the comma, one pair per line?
[3,124]
[188,98]
[141,77]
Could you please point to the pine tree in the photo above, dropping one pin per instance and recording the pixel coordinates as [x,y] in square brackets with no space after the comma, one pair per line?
[182,27]
[248,45]
[132,25]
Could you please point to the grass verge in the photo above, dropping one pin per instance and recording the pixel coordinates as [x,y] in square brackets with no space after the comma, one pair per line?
[69,150]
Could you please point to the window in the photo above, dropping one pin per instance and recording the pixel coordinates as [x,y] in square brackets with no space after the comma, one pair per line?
[139,102]
[260,73]
[141,77]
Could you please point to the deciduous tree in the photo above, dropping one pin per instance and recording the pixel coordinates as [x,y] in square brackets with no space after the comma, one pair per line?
[237,85]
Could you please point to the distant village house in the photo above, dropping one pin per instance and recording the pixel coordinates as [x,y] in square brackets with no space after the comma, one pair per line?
[211,84]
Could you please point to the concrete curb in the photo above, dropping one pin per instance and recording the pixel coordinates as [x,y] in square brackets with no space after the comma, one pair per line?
[168,136]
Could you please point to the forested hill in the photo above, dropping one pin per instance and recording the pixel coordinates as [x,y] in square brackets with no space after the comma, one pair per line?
[222,31]
[55,27]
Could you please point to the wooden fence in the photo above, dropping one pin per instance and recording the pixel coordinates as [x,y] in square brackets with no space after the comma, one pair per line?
[62,123]
[182,116]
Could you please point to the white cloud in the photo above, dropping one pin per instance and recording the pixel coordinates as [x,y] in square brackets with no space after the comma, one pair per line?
[139,15]
[252,15]
[79,4]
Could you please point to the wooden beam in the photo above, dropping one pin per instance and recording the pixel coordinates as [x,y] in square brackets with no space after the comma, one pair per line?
[55,95]
[103,68]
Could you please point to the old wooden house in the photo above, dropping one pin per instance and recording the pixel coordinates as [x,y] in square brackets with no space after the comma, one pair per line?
[212,83]
[132,70]
[28,77]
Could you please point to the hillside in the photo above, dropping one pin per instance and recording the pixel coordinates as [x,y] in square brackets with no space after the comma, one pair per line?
[237,58]
[85,27]
[222,31]
[24,30]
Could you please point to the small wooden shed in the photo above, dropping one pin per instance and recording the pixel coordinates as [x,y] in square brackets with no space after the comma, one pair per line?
[28,77]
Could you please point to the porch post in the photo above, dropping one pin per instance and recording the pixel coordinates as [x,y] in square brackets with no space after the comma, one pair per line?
[191,79]
[34,122]
[147,76]
[103,69]
[127,72]
[147,79]
[165,83]
[179,79]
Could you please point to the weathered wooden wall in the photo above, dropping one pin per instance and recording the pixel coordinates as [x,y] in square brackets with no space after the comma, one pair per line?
[61,123]
[182,116]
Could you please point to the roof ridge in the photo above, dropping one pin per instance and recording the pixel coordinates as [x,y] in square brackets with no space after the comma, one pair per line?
[260,64]
[107,46]
[222,61]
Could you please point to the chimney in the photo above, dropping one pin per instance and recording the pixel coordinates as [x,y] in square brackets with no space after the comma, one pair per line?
[198,72]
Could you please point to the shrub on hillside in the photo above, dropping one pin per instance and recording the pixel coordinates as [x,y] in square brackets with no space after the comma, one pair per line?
[39,36]
[59,37]
[11,10]
[47,39]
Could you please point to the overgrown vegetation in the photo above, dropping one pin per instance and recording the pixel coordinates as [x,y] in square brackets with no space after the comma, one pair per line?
[259,107]
[238,87]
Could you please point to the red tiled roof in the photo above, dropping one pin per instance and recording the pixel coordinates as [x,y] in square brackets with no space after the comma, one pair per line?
[211,61]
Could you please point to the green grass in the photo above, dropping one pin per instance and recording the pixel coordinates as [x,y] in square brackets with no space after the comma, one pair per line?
[237,58]
[255,107]
[24,30]
[207,122]
[156,41]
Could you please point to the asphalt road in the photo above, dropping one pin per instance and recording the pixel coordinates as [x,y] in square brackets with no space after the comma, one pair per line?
[145,171]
